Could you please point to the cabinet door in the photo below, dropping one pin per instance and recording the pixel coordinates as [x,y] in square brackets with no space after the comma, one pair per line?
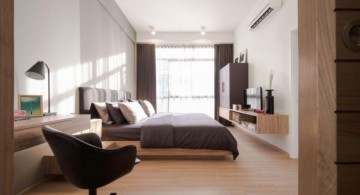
[238,82]
[224,84]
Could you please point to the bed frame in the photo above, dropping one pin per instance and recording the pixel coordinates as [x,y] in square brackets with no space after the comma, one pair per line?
[88,95]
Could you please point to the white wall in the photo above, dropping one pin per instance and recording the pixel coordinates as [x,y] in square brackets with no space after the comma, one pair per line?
[107,52]
[184,38]
[48,31]
[84,44]
[269,48]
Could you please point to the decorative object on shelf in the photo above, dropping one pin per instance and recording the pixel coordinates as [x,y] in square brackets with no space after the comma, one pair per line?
[270,102]
[259,111]
[271,77]
[37,71]
[243,56]
[20,115]
[270,97]
[32,104]
[236,106]
[239,107]
[237,60]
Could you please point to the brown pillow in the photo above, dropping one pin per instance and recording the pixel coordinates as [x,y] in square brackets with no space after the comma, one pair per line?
[115,113]
[101,109]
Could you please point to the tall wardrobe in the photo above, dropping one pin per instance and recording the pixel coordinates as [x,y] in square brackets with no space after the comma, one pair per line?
[233,81]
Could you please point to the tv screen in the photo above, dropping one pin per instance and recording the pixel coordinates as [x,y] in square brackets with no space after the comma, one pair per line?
[253,98]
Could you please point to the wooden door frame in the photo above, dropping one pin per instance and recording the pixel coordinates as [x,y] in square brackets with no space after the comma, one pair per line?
[7,102]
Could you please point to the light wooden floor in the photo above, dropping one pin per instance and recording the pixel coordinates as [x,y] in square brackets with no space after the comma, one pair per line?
[259,170]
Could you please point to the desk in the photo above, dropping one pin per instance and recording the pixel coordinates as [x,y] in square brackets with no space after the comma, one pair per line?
[28,133]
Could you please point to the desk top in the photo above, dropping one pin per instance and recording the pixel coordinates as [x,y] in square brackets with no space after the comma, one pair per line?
[44,120]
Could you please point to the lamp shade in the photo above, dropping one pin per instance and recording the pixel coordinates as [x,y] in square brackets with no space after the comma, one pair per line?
[37,71]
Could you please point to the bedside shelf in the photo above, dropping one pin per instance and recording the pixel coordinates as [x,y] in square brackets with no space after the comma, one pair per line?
[262,123]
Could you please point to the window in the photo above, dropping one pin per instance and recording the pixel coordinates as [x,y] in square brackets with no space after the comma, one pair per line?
[185,79]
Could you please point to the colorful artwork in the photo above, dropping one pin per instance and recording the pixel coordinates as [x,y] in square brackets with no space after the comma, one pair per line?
[32,104]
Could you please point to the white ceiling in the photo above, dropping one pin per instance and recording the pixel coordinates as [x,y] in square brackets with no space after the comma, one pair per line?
[185,15]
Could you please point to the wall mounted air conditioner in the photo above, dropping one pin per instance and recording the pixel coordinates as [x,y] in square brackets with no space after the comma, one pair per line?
[261,11]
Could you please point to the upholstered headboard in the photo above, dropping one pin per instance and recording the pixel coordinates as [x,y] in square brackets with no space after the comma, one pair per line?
[88,95]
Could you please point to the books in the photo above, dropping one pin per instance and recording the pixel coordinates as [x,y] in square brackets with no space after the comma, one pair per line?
[19,118]
[20,115]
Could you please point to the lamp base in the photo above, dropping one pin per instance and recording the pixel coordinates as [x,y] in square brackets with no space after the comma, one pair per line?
[49,113]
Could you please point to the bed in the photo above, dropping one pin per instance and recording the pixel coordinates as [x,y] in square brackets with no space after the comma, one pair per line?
[189,136]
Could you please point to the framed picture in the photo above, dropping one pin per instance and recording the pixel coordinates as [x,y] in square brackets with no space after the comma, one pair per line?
[243,56]
[237,60]
[32,104]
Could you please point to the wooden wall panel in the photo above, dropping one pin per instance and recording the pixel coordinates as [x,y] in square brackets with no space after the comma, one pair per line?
[348,86]
[349,177]
[7,96]
[348,138]
[326,48]
[333,69]
[308,96]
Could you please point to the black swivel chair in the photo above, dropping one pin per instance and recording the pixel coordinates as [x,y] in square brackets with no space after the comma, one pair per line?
[83,161]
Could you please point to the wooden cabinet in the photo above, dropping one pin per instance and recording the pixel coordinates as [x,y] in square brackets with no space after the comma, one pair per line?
[224,113]
[260,123]
[272,124]
[233,81]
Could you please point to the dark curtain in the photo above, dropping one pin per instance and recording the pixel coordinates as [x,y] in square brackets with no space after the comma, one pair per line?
[146,73]
[224,54]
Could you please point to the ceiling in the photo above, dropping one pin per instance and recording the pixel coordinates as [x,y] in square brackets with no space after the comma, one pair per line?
[185,15]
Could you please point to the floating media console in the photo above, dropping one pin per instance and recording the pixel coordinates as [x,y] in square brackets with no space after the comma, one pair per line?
[260,123]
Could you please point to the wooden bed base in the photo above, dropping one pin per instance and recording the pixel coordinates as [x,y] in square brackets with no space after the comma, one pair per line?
[171,153]
[52,167]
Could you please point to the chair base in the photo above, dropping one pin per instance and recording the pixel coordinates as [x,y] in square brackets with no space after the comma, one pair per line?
[92,191]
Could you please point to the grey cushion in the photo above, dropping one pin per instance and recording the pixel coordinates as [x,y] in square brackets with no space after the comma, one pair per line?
[115,113]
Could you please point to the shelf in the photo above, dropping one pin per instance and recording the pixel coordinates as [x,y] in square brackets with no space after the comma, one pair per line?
[245,112]
[264,123]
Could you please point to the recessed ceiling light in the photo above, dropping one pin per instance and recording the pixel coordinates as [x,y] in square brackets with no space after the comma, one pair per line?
[203,32]
[152,30]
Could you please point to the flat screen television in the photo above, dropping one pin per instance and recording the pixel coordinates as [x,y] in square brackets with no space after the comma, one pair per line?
[253,98]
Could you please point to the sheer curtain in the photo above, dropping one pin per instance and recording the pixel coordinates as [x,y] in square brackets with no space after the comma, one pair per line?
[185,79]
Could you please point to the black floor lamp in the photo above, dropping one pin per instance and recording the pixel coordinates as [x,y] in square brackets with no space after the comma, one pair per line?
[37,71]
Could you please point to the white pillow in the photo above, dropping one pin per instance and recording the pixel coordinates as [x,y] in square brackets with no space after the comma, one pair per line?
[148,107]
[132,111]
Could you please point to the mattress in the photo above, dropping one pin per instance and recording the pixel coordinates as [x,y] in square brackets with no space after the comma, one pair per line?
[123,132]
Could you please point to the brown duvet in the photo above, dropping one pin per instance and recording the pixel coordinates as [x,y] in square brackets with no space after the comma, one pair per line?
[196,131]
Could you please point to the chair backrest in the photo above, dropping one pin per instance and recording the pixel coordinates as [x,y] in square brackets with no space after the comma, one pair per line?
[85,165]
